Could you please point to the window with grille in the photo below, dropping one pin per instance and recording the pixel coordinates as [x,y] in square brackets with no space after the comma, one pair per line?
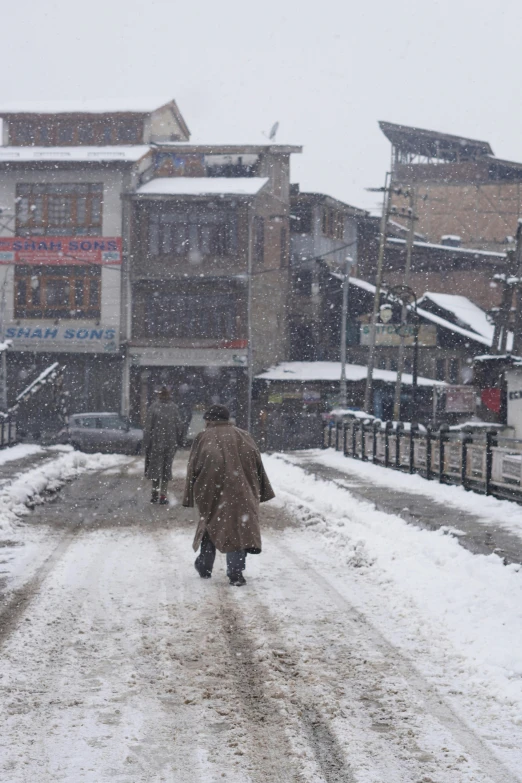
[333,223]
[186,315]
[195,232]
[57,292]
[59,210]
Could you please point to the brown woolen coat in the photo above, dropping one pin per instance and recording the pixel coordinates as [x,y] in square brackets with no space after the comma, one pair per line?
[227,481]
[161,436]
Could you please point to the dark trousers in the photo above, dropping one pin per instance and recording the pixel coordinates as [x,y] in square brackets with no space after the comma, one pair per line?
[207,555]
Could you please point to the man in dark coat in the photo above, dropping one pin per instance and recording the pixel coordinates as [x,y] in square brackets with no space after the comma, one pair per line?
[227,481]
[162,435]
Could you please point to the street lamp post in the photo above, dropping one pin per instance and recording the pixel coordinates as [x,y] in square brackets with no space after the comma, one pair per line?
[343,396]
[407,298]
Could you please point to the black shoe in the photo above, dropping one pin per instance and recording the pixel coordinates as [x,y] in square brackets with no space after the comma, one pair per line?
[203,574]
[237,580]
[163,501]
[154,497]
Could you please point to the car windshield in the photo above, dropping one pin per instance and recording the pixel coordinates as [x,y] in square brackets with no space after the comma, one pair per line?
[112,423]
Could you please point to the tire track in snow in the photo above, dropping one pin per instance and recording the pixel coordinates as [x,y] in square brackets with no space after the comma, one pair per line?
[370,636]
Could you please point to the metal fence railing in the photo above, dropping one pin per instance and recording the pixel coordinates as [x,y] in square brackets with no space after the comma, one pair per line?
[8,430]
[485,462]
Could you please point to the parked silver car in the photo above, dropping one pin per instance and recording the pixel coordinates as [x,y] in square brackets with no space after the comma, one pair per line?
[107,432]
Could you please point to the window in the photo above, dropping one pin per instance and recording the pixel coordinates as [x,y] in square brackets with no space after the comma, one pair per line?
[196,232]
[57,292]
[259,241]
[59,210]
[189,315]
[284,247]
[303,283]
[440,369]
[301,219]
[333,223]
[62,132]
[454,371]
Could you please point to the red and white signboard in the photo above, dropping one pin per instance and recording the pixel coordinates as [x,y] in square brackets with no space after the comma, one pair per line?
[60,251]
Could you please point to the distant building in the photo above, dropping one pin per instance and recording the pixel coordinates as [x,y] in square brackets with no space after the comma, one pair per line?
[463,191]
[209,268]
[64,235]
[323,232]
[139,259]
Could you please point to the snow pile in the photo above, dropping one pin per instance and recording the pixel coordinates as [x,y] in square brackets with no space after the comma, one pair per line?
[29,488]
[504,513]
[19,451]
[458,616]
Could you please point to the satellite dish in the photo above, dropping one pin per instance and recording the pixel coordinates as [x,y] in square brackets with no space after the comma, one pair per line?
[273,131]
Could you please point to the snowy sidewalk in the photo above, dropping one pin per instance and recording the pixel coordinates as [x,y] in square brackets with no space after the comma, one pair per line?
[484,525]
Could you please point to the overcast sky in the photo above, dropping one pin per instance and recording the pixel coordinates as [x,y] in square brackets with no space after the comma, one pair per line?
[327,71]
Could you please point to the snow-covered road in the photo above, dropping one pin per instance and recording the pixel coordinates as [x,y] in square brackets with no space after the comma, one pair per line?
[354,653]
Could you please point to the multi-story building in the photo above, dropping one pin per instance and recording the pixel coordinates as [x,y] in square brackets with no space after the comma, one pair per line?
[138,259]
[323,232]
[64,234]
[208,273]
[462,189]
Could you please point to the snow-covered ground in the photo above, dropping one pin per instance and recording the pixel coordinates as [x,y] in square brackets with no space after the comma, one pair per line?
[502,512]
[362,649]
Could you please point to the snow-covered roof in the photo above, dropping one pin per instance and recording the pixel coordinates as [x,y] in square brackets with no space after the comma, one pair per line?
[94,106]
[74,154]
[449,248]
[331,371]
[468,319]
[471,320]
[198,186]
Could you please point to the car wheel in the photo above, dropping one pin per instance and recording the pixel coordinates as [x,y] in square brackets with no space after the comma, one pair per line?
[75,446]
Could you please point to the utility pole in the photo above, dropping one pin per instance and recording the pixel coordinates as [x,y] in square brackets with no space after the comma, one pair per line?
[250,352]
[386,205]
[343,401]
[517,328]
[404,309]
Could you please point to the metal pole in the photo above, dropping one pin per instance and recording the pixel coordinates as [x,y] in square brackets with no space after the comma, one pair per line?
[377,298]
[344,317]
[415,369]
[250,362]
[3,357]
[517,329]
[404,310]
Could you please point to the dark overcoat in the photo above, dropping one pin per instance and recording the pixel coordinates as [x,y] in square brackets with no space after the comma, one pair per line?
[227,481]
[162,435]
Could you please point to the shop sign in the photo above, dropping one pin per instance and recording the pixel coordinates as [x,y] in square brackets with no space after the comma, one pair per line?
[460,399]
[387,334]
[60,251]
[80,338]
[275,399]
[514,401]
[311,396]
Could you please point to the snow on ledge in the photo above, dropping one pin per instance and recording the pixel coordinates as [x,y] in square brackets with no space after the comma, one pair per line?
[76,154]
[331,371]
[199,186]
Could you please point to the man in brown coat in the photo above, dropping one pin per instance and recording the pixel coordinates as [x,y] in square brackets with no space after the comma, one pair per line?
[161,437]
[227,481]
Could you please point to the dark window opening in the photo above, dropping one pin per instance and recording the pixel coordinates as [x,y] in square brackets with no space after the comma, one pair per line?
[301,219]
[186,315]
[303,283]
[259,241]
